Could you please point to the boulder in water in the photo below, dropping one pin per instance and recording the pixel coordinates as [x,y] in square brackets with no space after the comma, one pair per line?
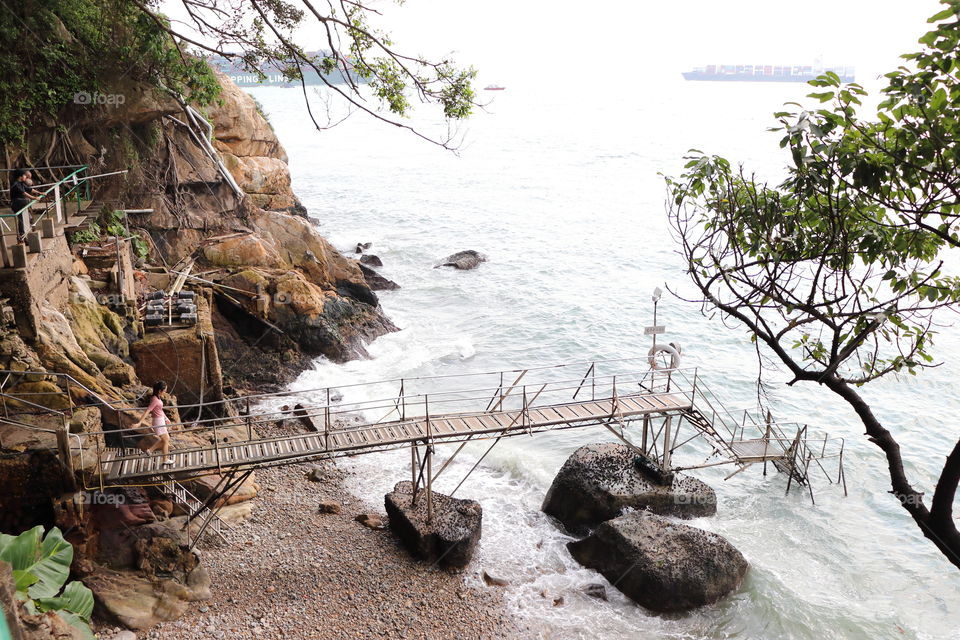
[598,481]
[375,281]
[661,564]
[463,260]
[372,260]
[452,536]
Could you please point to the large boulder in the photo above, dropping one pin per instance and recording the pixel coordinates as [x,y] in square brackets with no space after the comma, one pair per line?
[265,180]
[599,481]
[138,602]
[449,539]
[661,564]
[375,281]
[464,260]
[148,574]
[243,249]
[335,323]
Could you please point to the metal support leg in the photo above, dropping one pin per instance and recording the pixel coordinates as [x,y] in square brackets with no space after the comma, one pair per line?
[429,457]
[666,445]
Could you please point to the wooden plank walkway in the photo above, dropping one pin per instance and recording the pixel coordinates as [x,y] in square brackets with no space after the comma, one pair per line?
[383,435]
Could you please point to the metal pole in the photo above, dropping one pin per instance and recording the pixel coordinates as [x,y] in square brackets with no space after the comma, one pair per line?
[666,444]
[500,392]
[593,382]
[613,401]
[403,401]
[523,410]
[806,474]
[766,443]
[216,447]
[69,397]
[326,423]
[429,483]
[655,301]
[429,456]
[63,444]
[100,455]
[843,473]
[646,429]
[413,469]
[249,421]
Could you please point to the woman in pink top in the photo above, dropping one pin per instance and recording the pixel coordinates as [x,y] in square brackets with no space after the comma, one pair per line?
[158,419]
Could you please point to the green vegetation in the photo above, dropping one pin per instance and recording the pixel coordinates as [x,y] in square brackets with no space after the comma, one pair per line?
[840,270]
[41,566]
[261,35]
[53,51]
[90,234]
[62,55]
[112,226]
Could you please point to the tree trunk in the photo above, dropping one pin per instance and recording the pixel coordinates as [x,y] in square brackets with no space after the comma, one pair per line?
[936,523]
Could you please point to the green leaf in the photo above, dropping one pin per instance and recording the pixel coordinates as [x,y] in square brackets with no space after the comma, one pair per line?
[23,579]
[943,15]
[75,598]
[45,559]
[78,623]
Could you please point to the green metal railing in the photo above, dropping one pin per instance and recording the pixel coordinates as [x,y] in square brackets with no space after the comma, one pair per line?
[79,189]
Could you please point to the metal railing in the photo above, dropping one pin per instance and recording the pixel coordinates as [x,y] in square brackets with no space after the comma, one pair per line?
[510,394]
[75,186]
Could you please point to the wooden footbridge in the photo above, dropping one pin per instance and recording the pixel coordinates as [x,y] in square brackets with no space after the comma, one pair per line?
[659,412]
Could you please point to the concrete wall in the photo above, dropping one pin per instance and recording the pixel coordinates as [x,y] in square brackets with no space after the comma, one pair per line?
[47,278]
[185,358]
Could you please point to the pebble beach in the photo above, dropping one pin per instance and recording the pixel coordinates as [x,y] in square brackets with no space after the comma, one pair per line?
[290,571]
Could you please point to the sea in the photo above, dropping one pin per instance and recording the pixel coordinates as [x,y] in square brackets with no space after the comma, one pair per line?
[563,189]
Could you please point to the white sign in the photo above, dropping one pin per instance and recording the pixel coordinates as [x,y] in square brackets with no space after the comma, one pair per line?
[649,331]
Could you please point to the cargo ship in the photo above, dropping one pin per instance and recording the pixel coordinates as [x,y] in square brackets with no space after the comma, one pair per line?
[765,73]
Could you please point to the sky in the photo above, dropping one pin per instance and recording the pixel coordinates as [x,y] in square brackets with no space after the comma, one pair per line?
[647,37]
[635,40]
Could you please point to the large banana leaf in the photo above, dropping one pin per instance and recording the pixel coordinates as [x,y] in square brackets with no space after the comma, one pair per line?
[77,622]
[40,564]
[75,605]
[76,598]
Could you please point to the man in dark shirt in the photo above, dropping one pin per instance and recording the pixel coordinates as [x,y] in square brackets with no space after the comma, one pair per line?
[21,195]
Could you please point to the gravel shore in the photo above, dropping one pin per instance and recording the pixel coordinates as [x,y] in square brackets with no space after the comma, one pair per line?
[292,572]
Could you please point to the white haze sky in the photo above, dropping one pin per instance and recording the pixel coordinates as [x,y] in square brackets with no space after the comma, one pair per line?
[629,46]
[629,41]
[639,38]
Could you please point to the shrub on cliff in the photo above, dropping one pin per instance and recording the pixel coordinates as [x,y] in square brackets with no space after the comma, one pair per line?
[58,53]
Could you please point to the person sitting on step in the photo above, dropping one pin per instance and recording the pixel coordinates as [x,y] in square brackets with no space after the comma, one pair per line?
[154,411]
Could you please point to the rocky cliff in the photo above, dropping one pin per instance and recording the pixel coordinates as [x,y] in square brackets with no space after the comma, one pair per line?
[287,294]
[273,293]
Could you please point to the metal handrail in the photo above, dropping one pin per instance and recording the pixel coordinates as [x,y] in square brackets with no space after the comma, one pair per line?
[52,188]
[320,390]
[329,412]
